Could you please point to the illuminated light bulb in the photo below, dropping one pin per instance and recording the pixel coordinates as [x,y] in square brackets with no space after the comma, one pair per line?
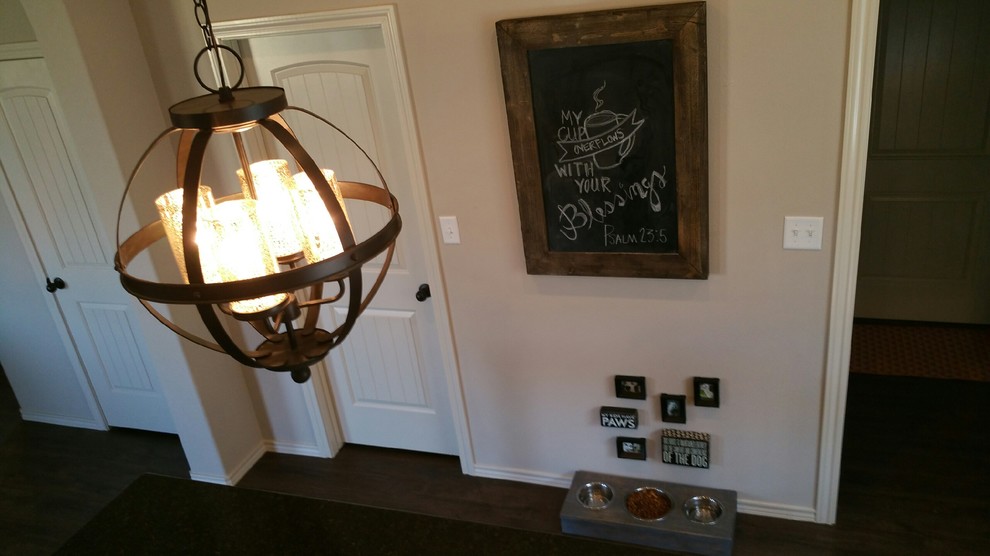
[272,190]
[170,212]
[321,240]
[233,247]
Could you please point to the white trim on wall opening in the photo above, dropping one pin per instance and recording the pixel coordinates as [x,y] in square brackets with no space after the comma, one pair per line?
[864,18]
[20,51]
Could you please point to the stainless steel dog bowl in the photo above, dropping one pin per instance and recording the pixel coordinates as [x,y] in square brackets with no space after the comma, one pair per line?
[703,509]
[648,504]
[594,496]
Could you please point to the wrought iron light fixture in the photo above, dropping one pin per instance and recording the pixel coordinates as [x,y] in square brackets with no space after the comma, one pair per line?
[262,256]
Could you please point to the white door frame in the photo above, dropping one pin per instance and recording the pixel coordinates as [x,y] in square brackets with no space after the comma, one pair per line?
[864,19]
[20,51]
[382,18]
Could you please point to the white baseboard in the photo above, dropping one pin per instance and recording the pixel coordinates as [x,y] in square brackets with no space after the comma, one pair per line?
[294,449]
[62,420]
[523,476]
[209,478]
[234,475]
[766,509]
[252,458]
[779,511]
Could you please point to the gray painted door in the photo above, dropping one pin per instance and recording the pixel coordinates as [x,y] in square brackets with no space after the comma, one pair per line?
[925,249]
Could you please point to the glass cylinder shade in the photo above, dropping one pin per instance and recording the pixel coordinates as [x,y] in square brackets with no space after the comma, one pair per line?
[170,212]
[233,247]
[321,240]
[272,189]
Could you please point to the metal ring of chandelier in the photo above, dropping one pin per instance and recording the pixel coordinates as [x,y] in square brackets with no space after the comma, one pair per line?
[286,281]
[285,347]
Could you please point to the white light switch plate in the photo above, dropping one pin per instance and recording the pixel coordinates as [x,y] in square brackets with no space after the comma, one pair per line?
[449,230]
[803,232]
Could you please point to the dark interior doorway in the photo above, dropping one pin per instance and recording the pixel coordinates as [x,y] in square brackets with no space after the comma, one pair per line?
[920,362]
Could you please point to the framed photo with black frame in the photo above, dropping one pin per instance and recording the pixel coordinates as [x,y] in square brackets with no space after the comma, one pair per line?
[630,448]
[630,387]
[673,408]
[706,392]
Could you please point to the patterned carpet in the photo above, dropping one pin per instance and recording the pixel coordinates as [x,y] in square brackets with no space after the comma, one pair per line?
[921,350]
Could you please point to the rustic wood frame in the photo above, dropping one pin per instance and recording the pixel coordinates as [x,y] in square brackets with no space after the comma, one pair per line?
[684,25]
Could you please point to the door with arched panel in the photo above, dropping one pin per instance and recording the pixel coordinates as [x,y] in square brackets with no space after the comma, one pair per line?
[388,378]
[50,201]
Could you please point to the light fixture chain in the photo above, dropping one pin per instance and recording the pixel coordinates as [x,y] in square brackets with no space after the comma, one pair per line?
[203,19]
[206,25]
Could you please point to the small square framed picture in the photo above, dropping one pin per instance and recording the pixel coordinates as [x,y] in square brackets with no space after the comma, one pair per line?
[631,387]
[706,392]
[630,448]
[673,408]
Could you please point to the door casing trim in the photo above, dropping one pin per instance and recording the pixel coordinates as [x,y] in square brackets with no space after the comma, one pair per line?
[864,19]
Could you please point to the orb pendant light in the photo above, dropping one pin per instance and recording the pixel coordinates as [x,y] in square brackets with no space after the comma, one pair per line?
[265,255]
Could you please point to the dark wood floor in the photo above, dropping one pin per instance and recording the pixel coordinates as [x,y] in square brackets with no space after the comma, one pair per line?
[54,479]
[914,480]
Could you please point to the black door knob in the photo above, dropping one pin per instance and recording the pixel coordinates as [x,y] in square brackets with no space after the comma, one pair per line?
[423,293]
[52,285]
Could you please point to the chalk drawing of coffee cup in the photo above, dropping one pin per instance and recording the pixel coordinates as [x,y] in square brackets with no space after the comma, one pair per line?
[616,136]
[608,139]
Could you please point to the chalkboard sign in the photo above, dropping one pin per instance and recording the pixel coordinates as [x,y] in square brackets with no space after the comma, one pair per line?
[608,126]
[604,119]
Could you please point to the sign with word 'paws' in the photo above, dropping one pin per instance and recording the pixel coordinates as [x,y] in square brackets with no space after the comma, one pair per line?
[619,417]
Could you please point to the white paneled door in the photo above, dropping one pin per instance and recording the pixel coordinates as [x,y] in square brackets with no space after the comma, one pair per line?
[388,377]
[53,209]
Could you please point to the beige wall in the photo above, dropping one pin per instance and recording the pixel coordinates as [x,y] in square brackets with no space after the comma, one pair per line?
[537,353]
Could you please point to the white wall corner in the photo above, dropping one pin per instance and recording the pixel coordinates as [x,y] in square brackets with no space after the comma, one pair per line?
[236,473]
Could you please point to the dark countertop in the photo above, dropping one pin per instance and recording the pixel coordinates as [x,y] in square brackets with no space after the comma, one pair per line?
[166,515]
